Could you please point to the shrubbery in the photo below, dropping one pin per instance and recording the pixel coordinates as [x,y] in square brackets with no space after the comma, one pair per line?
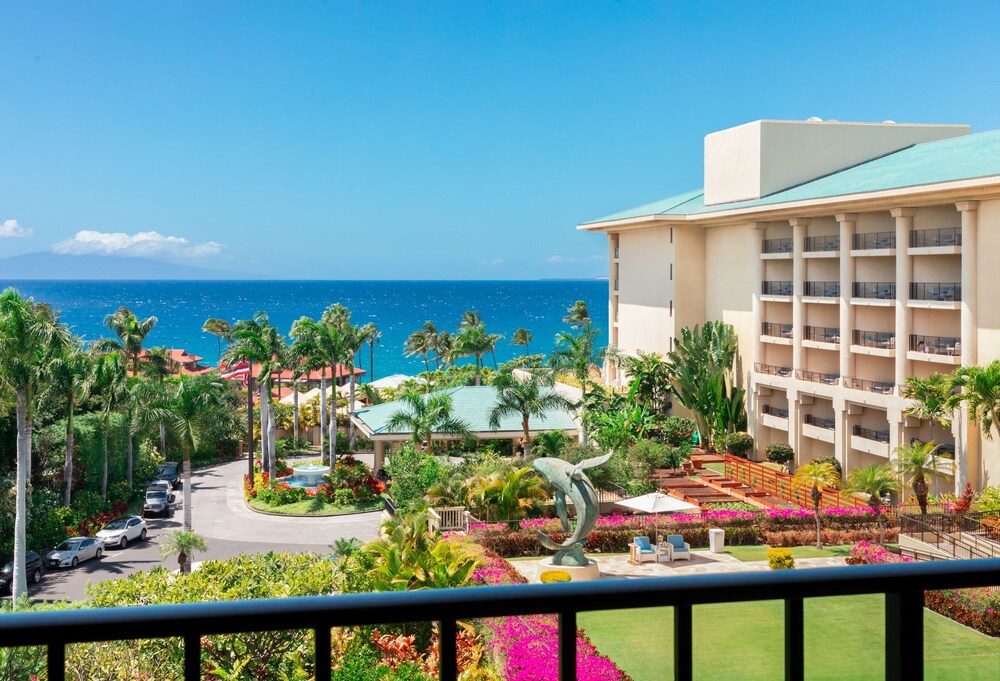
[780,453]
[780,559]
[739,444]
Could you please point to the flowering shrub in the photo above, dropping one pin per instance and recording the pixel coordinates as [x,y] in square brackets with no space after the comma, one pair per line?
[88,527]
[554,576]
[349,482]
[867,553]
[780,559]
[807,537]
[991,525]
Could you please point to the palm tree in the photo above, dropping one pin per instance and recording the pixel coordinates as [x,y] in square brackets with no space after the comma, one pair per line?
[29,334]
[372,336]
[522,337]
[875,480]
[981,393]
[422,342]
[131,332]
[444,345]
[183,543]
[351,339]
[579,315]
[650,381]
[323,341]
[145,406]
[577,354]
[425,415]
[516,491]
[917,463]
[551,443]
[159,364]
[816,475]
[68,378]
[110,386]
[221,329]
[934,398]
[473,341]
[532,396]
[470,318]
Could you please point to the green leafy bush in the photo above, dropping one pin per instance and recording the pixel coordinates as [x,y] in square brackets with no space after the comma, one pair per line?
[679,430]
[780,453]
[412,474]
[739,444]
[286,445]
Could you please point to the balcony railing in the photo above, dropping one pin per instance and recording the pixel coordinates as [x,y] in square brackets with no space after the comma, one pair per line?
[880,387]
[821,334]
[928,238]
[817,377]
[822,289]
[936,345]
[776,330]
[885,340]
[777,245]
[946,451]
[776,288]
[828,424]
[780,412]
[772,369]
[874,241]
[822,243]
[902,584]
[872,434]
[875,290]
[948,291]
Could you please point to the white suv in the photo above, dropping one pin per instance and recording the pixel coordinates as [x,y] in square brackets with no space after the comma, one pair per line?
[123,530]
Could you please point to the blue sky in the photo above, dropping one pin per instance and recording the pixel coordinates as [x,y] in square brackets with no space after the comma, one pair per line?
[427,140]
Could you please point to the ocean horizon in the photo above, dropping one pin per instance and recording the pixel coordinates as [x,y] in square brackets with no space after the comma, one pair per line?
[397,307]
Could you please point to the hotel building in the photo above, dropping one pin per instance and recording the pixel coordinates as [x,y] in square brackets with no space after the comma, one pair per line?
[848,257]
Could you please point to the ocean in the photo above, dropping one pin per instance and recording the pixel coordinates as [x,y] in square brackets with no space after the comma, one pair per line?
[396,307]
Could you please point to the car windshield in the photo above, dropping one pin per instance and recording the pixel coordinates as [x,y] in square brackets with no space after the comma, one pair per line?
[8,563]
[156,495]
[116,524]
[69,545]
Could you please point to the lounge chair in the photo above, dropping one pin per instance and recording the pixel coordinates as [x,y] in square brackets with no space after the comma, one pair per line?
[641,551]
[679,549]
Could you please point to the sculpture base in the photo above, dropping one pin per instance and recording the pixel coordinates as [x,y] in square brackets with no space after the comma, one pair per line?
[578,573]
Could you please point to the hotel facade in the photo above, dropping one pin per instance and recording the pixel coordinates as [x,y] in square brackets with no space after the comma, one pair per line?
[848,257]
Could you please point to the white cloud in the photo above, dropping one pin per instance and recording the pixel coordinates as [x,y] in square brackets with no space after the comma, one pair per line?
[141,244]
[10,229]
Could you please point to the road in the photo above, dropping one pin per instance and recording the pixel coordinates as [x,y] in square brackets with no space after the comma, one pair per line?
[229,527]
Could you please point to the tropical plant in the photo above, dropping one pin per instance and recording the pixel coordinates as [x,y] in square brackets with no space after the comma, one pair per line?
[352,338]
[372,336]
[980,388]
[512,493]
[739,444]
[523,338]
[649,380]
[933,397]
[473,341]
[876,481]
[578,316]
[816,476]
[221,329]
[68,378]
[324,341]
[780,453]
[412,473]
[917,464]
[531,396]
[577,354]
[257,342]
[424,415]
[345,546]
[131,332]
[110,387]
[450,491]
[159,364]
[371,395]
[424,343]
[550,443]
[183,544]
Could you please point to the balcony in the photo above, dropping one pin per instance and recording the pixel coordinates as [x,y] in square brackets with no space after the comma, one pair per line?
[772,370]
[822,337]
[877,343]
[819,428]
[873,293]
[821,246]
[774,417]
[821,291]
[877,387]
[937,295]
[826,424]
[778,291]
[945,241]
[938,349]
[776,249]
[873,243]
[779,334]
[871,441]
[780,412]
[817,377]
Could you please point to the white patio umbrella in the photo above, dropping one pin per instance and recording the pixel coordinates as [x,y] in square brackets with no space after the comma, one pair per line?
[656,503]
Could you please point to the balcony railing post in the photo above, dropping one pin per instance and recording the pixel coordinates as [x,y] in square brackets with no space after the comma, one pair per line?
[447,650]
[794,640]
[56,661]
[192,657]
[323,652]
[567,646]
[904,636]
[683,644]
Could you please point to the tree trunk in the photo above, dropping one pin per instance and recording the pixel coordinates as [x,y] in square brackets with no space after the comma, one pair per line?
[271,432]
[187,487]
[265,454]
[68,466]
[920,491]
[350,410]
[478,360]
[817,496]
[295,412]
[527,438]
[322,413]
[333,430]
[128,458]
[371,361]
[250,443]
[104,474]
[20,585]
[163,440]
[182,561]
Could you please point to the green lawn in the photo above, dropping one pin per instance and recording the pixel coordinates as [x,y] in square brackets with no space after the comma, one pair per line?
[844,639]
[719,468]
[315,506]
[752,553]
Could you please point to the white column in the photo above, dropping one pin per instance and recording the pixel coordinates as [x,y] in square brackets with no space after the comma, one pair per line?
[904,275]
[610,370]
[379,455]
[798,289]
[847,221]
[967,441]
[758,281]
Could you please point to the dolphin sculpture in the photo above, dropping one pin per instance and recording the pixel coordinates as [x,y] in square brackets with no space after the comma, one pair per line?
[570,481]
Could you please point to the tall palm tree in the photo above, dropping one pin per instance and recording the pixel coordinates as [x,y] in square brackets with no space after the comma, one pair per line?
[352,338]
[29,334]
[323,341]
[532,396]
[221,329]
[980,388]
[183,544]
[917,463]
[424,415]
[934,398]
[473,341]
[110,385]
[875,480]
[131,332]
[159,364]
[579,315]
[444,344]
[523,338]
[372,336]
[577,354]
[145,406]
[68,379]
[816,475]
[422,342]
[470,318]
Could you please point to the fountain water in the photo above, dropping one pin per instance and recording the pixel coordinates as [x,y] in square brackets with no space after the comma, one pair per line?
[306,476]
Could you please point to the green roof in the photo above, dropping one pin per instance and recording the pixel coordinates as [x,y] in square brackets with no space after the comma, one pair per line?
[959,158]
[471,404]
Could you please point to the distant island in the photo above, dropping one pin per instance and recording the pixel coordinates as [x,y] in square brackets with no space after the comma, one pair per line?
[45,265]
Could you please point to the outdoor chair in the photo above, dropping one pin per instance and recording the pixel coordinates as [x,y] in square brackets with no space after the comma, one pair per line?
[679,549]
[641,551]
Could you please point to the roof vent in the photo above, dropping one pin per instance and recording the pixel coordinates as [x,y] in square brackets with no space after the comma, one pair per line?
[814,119]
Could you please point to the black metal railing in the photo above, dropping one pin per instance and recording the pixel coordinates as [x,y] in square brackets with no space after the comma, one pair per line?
[872,434]
[772,369]
[828,424]
[821,334]
[822,243]
[822,289]
[880,387]
[878,290]
[903,585]
[959,535]
[946,450]
[777,245]
[885,340]
[928,238]
[776,288]
[936,345]
[817,377]
[874,241]
[943,291]
[776,330]
[780,412]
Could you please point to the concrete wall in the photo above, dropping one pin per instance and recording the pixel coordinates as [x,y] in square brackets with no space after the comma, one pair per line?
[645,291]
[989,316]
[729,282]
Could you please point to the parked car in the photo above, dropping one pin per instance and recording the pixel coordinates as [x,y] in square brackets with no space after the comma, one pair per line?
[159,502]
[121,531]
[162,485]
[32,566]
[74,551]
[169,471]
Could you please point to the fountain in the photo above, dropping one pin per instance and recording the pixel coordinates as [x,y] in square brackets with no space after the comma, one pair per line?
[306,476]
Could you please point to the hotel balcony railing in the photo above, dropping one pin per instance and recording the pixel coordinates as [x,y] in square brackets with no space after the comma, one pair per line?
[777,245]
[924,238]
[780,412]
[822,289]
[817,377]
[772,369]
[822,243]
[616,251]
[872,434]
[828,424]
[880,387]
[948,291]
[821,334]
[776,330]
[885,340]
[946,451]
[877,290]
[776,288]
[874,241]
[936,345]
[616,284]
[903,585]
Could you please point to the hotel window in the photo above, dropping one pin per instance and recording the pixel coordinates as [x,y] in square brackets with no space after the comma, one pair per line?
[671,308]
[671,271]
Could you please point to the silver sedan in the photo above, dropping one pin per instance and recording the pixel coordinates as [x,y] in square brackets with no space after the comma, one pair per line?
[74,551]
